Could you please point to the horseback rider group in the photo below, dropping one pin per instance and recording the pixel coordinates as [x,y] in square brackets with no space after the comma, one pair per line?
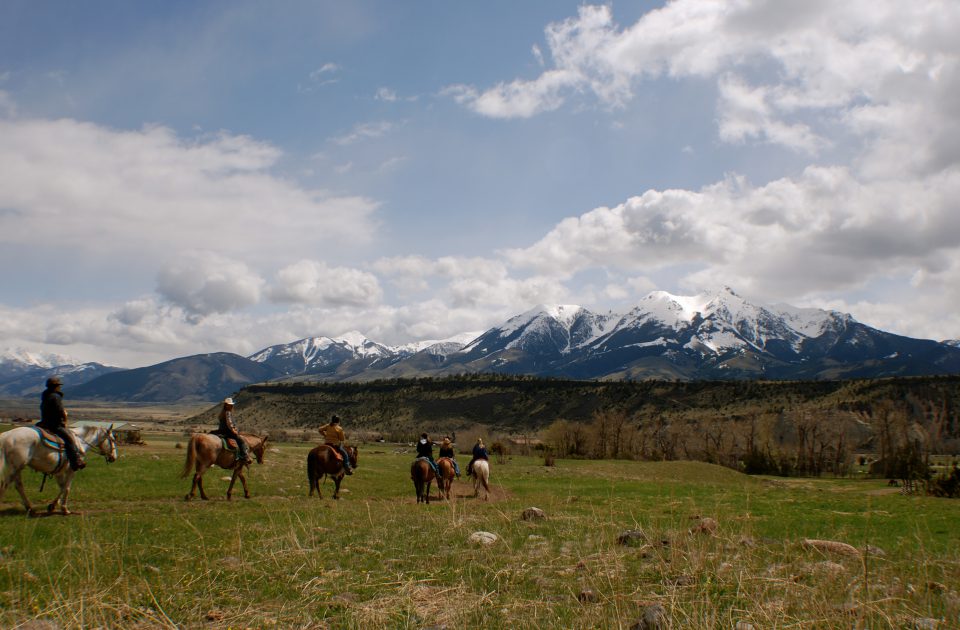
[425,451]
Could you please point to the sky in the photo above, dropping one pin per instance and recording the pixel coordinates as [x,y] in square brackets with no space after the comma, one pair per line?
[188,177]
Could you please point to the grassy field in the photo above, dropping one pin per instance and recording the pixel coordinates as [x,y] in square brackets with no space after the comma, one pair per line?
[139,556]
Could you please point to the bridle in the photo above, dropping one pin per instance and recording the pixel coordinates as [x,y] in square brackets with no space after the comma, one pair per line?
[108,436]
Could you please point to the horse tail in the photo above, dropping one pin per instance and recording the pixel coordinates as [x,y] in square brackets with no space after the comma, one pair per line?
[312,464]
[191,457]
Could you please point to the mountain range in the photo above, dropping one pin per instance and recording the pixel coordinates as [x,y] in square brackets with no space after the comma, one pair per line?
[713,336]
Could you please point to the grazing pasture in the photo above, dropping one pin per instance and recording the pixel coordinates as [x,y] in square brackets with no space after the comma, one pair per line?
[697,545]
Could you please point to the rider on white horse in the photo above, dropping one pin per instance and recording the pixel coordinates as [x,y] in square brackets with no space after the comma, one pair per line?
[479,452]
[53,418]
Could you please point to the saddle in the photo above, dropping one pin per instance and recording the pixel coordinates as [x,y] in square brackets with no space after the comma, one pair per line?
[336,452]
[50,440]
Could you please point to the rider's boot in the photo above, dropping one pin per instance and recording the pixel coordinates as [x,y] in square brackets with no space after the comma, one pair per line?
[75,459]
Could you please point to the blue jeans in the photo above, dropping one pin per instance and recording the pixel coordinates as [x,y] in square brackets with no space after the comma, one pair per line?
[346,456]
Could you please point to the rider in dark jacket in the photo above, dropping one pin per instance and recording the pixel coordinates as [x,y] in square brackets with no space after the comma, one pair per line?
[446,450]
[479,452]
[425,450]
[53,418]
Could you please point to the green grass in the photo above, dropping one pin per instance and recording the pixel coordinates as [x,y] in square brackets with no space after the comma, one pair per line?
[138,555]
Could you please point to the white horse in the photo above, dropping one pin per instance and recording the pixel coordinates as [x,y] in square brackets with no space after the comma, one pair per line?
[481,477]
[23,446]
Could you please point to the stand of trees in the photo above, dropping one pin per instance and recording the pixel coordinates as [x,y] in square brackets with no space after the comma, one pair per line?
[808,441]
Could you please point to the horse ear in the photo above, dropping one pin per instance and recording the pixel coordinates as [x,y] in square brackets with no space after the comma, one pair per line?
[110,430]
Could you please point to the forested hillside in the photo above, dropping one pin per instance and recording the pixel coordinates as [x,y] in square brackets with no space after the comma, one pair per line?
[815,425]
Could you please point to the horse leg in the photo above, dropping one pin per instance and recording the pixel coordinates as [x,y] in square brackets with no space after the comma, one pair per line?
[193,488]
[18,482]
[243,480]
[233,480]
[336,488]
[64,481]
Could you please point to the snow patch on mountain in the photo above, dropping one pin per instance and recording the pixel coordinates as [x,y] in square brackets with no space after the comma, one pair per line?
[44,360]
[563,314]
[458,341]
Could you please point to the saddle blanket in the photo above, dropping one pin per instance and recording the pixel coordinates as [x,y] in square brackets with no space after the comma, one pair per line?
[48,439]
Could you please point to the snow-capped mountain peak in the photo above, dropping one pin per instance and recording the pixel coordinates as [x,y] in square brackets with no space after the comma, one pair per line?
[564,314]
[36,359]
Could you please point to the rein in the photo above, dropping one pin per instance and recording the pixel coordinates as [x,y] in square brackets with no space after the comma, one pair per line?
[106,458]
[61,463]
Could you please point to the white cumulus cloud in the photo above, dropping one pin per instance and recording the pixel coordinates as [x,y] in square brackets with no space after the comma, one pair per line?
[315,283]
[204,284]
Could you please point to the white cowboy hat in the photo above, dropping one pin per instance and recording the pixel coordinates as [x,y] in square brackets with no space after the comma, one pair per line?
[228,401]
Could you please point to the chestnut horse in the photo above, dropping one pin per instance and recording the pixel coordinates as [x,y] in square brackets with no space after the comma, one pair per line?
[323,461]
[206,450]
[447,473]
[422,474]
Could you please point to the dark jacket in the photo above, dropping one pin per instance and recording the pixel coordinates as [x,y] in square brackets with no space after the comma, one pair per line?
[227,427]
[425,449]
[52,413]
[446,452]
[480,452]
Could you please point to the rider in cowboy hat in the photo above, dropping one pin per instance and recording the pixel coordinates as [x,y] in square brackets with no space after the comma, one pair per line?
[227,428]
[333,436]
[446,450]
[53,418]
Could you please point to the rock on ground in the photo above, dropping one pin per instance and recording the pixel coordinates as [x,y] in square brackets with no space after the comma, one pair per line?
[653,617]
[483,538]
[533,514]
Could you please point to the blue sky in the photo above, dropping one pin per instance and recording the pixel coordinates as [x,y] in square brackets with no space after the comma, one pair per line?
[186,177]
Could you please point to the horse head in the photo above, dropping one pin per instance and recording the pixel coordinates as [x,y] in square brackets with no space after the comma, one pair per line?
[107,445]
[260,449]
[354,456]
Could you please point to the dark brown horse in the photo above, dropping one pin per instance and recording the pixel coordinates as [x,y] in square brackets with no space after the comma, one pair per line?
[422,474]
[323,461]
[206,449]
[447,473]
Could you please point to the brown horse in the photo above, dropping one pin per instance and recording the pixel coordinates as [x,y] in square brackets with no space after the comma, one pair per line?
[447,473]
[206,449]
[323,461]
[422,474]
